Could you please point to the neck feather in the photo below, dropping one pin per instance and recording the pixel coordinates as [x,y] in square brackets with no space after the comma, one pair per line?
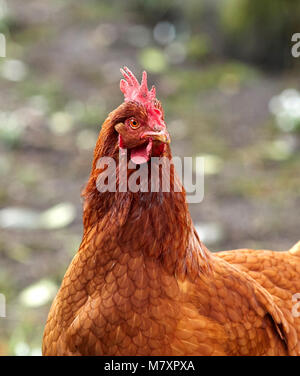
[157,224]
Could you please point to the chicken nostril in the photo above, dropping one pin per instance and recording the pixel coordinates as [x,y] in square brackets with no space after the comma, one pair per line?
[156,128]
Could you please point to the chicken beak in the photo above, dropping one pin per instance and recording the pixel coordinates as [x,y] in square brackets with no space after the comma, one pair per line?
[161,136]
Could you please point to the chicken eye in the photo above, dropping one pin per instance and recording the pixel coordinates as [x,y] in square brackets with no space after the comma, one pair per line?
[134,124]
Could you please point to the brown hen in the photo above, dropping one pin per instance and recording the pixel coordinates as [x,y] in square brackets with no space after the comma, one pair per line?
[142,283]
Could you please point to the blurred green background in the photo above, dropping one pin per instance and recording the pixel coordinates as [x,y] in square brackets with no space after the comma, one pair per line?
[230,90]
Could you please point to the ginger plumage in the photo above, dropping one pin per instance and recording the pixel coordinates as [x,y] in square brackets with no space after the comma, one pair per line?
[142,282]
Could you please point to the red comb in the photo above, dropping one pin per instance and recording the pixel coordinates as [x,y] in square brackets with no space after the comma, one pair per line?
[133,91]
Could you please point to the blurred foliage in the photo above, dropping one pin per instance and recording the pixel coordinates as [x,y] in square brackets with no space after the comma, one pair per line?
[152,12]
[261,31]
[230,91]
